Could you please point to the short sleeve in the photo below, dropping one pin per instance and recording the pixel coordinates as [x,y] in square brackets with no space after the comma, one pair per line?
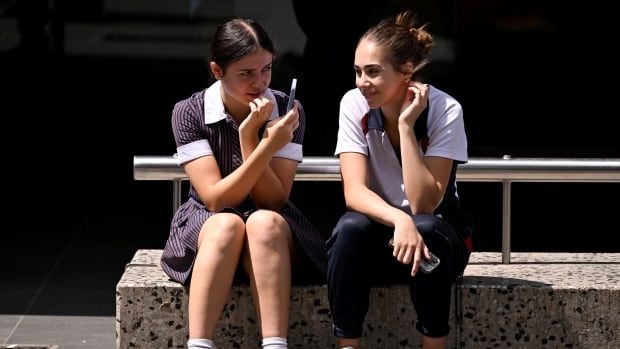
[188,132]
[446,133]
[294,149]
[351,136]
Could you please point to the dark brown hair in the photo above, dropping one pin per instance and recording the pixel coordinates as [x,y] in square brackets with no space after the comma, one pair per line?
[238,38]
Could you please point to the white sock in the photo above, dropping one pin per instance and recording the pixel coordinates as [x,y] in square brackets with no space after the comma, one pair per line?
[200,344]
[275,343]
[347,347]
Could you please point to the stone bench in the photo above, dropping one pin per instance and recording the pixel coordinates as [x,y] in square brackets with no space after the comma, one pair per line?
[541,300]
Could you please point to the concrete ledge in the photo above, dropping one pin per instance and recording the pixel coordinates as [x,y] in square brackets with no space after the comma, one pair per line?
[541,300]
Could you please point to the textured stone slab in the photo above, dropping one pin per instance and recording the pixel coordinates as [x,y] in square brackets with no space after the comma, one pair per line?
[571,301]
[27,346]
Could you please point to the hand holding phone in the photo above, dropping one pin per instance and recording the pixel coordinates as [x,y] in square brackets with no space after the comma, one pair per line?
[426,265]
[291,96]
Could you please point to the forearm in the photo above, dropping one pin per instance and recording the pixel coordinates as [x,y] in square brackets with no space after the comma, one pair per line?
[421,187]
[268,192]
[363,200]
[231,190]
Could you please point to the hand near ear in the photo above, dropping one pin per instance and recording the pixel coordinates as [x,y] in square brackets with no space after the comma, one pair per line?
[416,100]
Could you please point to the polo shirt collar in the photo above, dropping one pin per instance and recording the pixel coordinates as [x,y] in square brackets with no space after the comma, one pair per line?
[375,119]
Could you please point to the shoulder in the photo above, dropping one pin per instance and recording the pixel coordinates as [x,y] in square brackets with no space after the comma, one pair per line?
[193,104]
[282,99]
[442,103]
[353,103]
[279,94]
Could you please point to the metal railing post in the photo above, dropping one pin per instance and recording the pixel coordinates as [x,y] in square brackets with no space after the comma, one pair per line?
[176,195]
[506,221]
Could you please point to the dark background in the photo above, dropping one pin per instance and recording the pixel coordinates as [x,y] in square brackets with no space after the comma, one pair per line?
[535,78]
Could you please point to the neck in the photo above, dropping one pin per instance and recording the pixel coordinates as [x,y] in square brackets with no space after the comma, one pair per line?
[391,109]
[237,110]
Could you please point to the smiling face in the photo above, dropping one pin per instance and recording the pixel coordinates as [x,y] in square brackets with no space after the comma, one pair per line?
[245,79]
[376,78]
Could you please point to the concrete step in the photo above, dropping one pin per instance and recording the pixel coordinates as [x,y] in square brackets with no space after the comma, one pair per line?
[540,300]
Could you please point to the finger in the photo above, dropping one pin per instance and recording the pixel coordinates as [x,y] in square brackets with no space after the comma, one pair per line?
[260,103]
[424,91]
[416,259]
[270,106]
[253,107]
[401,254]
[427,253]
[413,92]
[291,117]
[423,88]
[408,254]
[267,104]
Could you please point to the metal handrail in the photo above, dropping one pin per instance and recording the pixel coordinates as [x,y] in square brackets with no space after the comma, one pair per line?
[505,170]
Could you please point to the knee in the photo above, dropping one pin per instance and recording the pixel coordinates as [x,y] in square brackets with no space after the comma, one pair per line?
[427,224]
[266,227]
[352,227]
[223,231]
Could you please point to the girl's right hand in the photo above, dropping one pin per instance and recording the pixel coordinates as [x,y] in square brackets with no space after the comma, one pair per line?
[260,110]
[279,131]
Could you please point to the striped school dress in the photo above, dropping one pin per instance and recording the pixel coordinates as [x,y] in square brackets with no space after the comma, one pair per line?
[201,127]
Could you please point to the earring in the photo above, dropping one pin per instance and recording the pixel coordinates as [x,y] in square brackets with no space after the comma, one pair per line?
[407,80]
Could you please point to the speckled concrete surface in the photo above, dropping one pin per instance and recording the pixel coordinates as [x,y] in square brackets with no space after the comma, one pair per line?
[571,301]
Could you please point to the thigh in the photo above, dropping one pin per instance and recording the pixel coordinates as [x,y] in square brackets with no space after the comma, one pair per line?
[369,239]
[442,239]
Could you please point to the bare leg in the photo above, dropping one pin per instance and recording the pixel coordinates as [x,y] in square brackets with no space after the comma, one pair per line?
[219,247]
[433,343]
[349,342]
[267,260]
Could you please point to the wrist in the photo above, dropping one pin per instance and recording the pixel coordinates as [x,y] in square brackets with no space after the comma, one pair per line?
[404,125]
[401,218]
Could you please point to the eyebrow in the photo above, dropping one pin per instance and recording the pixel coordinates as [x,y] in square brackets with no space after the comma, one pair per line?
[375,65]
[250,70]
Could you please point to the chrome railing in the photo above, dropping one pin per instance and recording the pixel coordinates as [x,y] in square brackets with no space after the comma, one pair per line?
[505,170]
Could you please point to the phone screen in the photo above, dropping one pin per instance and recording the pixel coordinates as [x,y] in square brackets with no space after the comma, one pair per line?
[291,96]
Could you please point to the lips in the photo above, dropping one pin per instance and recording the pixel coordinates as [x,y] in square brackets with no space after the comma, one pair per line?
[368,93]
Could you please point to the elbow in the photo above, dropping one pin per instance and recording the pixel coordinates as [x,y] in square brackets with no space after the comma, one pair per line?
[212,204]
[422,209]
[212,207]
[274,204]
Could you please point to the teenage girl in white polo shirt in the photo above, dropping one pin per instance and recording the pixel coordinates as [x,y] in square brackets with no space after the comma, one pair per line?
[240,150]
[399,143]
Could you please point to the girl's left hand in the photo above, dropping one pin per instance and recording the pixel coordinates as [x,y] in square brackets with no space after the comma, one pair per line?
[416,100]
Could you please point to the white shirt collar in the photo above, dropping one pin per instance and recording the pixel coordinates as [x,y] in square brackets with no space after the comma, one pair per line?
[214,106]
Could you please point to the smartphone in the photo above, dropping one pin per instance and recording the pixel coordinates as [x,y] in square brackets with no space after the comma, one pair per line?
[291,96]
[426,265]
